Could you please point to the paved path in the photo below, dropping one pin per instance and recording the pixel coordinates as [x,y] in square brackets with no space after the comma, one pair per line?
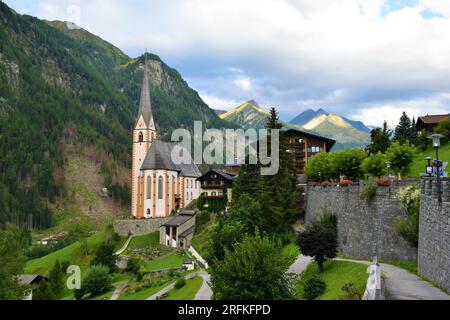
[403,285]
[125,246]
[300,265]
[205,293]
[120,286]
[170,287]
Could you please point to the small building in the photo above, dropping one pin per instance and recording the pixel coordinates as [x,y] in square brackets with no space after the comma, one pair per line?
[178,232]
[189,264]
[304,145]
[217,185]
[430,122]
[31,281]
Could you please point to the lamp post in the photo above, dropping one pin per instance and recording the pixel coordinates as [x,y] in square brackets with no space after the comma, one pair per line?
[389,165]
[436,144]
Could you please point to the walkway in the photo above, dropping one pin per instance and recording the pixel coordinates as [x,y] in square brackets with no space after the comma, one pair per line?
[119,288]
[403,285]
[300,265]
[170,287]
[205,293]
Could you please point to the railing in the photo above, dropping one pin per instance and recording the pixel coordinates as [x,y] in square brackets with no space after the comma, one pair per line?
[373,289]
[198,257]
[213,186]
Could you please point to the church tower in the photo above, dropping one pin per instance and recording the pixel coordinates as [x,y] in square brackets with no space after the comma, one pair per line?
[144,133]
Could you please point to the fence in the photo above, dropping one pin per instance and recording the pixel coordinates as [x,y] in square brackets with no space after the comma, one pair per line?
[373,289]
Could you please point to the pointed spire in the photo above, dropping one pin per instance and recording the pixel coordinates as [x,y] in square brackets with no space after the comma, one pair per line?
[145,105]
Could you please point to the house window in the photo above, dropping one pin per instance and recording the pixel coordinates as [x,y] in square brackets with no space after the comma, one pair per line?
[141,137]
[149,187]
[160,188]
[149,213]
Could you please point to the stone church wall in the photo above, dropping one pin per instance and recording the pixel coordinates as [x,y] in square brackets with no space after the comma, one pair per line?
[139,227]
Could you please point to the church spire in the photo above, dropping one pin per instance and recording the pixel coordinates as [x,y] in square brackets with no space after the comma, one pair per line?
[145,105]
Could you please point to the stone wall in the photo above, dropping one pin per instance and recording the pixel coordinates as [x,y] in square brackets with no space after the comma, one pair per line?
[139,227]
[366,228]
[434,233]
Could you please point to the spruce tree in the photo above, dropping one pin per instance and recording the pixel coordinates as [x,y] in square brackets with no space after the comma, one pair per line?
[56,279]
[403,130]
[380,139]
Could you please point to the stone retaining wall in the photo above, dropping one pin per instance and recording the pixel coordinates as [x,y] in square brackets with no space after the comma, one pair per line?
[366,228]
[434,234]
[139,227]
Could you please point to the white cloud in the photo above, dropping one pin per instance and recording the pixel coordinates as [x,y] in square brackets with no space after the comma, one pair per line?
[341,55]
[218,102]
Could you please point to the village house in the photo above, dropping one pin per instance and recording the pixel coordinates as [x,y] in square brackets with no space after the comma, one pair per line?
[430,122]
[303,146]
[30,281]
[159,186]
[178,232]
[217,184]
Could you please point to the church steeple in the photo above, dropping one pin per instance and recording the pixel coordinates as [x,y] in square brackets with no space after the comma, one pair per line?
[145,104]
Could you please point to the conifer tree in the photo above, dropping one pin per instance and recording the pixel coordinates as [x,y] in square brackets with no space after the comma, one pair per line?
[403,130]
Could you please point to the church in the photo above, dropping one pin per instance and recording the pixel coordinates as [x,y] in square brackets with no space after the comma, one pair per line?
[159,186]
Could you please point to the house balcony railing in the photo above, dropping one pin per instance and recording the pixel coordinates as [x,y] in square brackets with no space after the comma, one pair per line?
[212,186]
[214,197]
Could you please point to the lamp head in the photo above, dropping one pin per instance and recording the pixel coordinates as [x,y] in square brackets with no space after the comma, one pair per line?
[436,137]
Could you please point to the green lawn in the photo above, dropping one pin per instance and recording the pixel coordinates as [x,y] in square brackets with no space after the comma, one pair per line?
[146,241]
[336,275]
[188,292]
[202,238]
[70,253]
[143,294]
[410,266]
[168,261]
[418,166]
[291,251]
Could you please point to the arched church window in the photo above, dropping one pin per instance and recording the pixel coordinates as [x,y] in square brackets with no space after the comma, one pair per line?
[160,188]
[149,187]
[141,137]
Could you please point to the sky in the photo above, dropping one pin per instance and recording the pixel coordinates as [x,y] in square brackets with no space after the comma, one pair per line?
[368,60]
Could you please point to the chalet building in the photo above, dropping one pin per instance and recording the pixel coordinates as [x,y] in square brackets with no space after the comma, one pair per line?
[30,281]
[218,184]
[430,122]
[178,232]
[159,186]
[303,145]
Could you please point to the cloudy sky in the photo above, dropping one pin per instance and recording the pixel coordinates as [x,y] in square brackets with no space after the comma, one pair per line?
[365,59]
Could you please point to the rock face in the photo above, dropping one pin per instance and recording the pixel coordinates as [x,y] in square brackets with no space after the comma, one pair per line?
[365,229]
[434,234]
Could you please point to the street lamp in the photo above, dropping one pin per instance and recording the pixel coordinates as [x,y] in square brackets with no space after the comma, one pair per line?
[389,165]
[436,144]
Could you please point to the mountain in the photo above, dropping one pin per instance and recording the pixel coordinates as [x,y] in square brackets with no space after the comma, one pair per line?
[306,116]
[335,127]
[219,112]
[62,87]
[247,115]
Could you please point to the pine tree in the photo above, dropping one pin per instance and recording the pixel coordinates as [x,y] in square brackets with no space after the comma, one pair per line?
[56,279]
[403,130]
[380,139]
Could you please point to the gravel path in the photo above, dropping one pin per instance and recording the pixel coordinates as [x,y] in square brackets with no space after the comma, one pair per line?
[205,293]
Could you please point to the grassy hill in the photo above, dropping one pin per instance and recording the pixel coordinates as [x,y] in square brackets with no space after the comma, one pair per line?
[420,162]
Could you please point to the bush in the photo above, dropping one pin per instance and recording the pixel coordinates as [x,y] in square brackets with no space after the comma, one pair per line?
[97,280]
[105,255]
[347,163]
[133,266]
[180,283]
[203,218]
[369,191]
[319,168]
[351,292]
[375,165]
[444,128]
[384,182]
[314,288]
[408,228]
[346,183]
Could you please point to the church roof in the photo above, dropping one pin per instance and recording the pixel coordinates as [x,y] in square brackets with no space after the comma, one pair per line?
[159,157]
[145,105]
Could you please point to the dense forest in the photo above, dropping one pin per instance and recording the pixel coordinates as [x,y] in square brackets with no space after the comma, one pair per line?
[58,86]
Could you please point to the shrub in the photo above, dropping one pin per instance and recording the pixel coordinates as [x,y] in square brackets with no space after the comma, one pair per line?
[133,266]
[408,228]
[351,292]
[97,280]
[203,218]
[314,288]
[328,220]
[384,182]
[346,183]
[375,165]
[180,283]
[444,128]
[369,191]
[319,168]
[105,255]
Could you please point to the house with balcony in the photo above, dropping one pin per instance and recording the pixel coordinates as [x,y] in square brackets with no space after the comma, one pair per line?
[217,189]
[304,145]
